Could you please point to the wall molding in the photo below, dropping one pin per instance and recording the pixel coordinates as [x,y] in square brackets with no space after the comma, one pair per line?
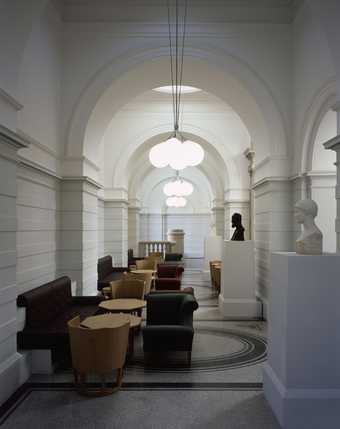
[33,142]
[11,138]
[10,100]
[37,167]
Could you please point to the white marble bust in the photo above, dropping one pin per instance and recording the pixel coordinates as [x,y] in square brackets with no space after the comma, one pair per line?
[310,240]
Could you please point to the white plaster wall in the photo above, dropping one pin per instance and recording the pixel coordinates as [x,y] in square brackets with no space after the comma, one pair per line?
[40,90]
[38,227]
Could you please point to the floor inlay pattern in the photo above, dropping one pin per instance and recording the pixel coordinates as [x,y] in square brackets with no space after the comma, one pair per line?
[214,349]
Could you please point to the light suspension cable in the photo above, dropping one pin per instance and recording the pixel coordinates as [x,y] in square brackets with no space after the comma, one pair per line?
[176,152]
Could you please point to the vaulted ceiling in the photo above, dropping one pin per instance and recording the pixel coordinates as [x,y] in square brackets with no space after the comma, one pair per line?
[276,11]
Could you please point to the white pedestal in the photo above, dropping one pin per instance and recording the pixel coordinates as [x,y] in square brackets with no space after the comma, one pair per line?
[177,236]
[212,252]
[237,297]
[302,376]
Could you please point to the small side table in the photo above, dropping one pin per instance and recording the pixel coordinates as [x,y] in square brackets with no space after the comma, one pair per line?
[110,320]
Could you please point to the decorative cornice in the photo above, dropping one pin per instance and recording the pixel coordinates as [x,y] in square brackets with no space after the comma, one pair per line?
[82,179]
[11,138]
[333,144]
[33,142]
[33,165]
[270,179]
[10,100]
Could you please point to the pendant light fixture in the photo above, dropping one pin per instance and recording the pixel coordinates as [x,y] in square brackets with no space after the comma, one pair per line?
[178,188]
[176,202]
[176,152]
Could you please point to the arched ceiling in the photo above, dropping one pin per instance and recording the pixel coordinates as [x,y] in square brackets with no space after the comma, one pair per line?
[232,83]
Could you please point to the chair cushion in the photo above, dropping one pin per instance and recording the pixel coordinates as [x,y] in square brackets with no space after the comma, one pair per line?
[167,284]
[168,271]
[55,333]
[47,302]
[167,338]
[104,266]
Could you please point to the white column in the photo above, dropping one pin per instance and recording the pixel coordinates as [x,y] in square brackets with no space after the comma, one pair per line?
[13,370]
[116,230]
[249,153]
[218,218]
[334,144]
[133,228]
[273,227]
[79,233]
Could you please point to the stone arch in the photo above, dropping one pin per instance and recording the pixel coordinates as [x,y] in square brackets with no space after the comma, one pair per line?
[237,84]
[322,102]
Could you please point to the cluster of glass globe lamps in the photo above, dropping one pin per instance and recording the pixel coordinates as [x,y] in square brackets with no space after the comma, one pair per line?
[177,155]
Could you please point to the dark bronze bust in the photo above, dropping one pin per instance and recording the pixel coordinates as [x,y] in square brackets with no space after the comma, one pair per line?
[236,222]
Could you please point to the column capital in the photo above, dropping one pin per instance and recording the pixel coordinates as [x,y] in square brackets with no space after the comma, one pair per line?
[336,106]
[10,143]
[333,144]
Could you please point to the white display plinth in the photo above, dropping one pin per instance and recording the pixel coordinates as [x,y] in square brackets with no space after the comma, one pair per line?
[302,376]
[177,236]
[237,297]
[212,252]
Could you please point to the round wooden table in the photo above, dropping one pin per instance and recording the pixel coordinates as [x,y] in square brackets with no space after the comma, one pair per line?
[110,320]
[124,305]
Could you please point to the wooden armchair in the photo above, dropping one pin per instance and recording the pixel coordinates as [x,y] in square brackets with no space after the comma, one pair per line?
[215,275]
[145,277]
[98,351]
[130,288]
[147,264]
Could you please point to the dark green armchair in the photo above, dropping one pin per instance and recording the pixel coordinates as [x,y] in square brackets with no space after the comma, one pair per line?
[169,323]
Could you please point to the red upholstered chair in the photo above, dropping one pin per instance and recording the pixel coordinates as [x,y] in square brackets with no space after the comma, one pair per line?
[168,277]
[169,271]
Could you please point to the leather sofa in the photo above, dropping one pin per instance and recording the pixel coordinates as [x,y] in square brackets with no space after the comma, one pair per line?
[48,309]
[107,273]
[169,323]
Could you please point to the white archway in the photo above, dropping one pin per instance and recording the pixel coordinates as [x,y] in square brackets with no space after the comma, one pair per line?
[233,82]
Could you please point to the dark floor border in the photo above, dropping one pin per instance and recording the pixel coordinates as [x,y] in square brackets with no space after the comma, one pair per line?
[9,407]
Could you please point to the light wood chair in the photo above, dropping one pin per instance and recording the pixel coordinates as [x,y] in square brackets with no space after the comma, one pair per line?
[145,277]
[130,288]
[98,351]
[147,264]
[215,275]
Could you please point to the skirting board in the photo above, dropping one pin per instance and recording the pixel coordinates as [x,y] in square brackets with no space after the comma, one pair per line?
[240,308]
[301,408]
[13,373]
